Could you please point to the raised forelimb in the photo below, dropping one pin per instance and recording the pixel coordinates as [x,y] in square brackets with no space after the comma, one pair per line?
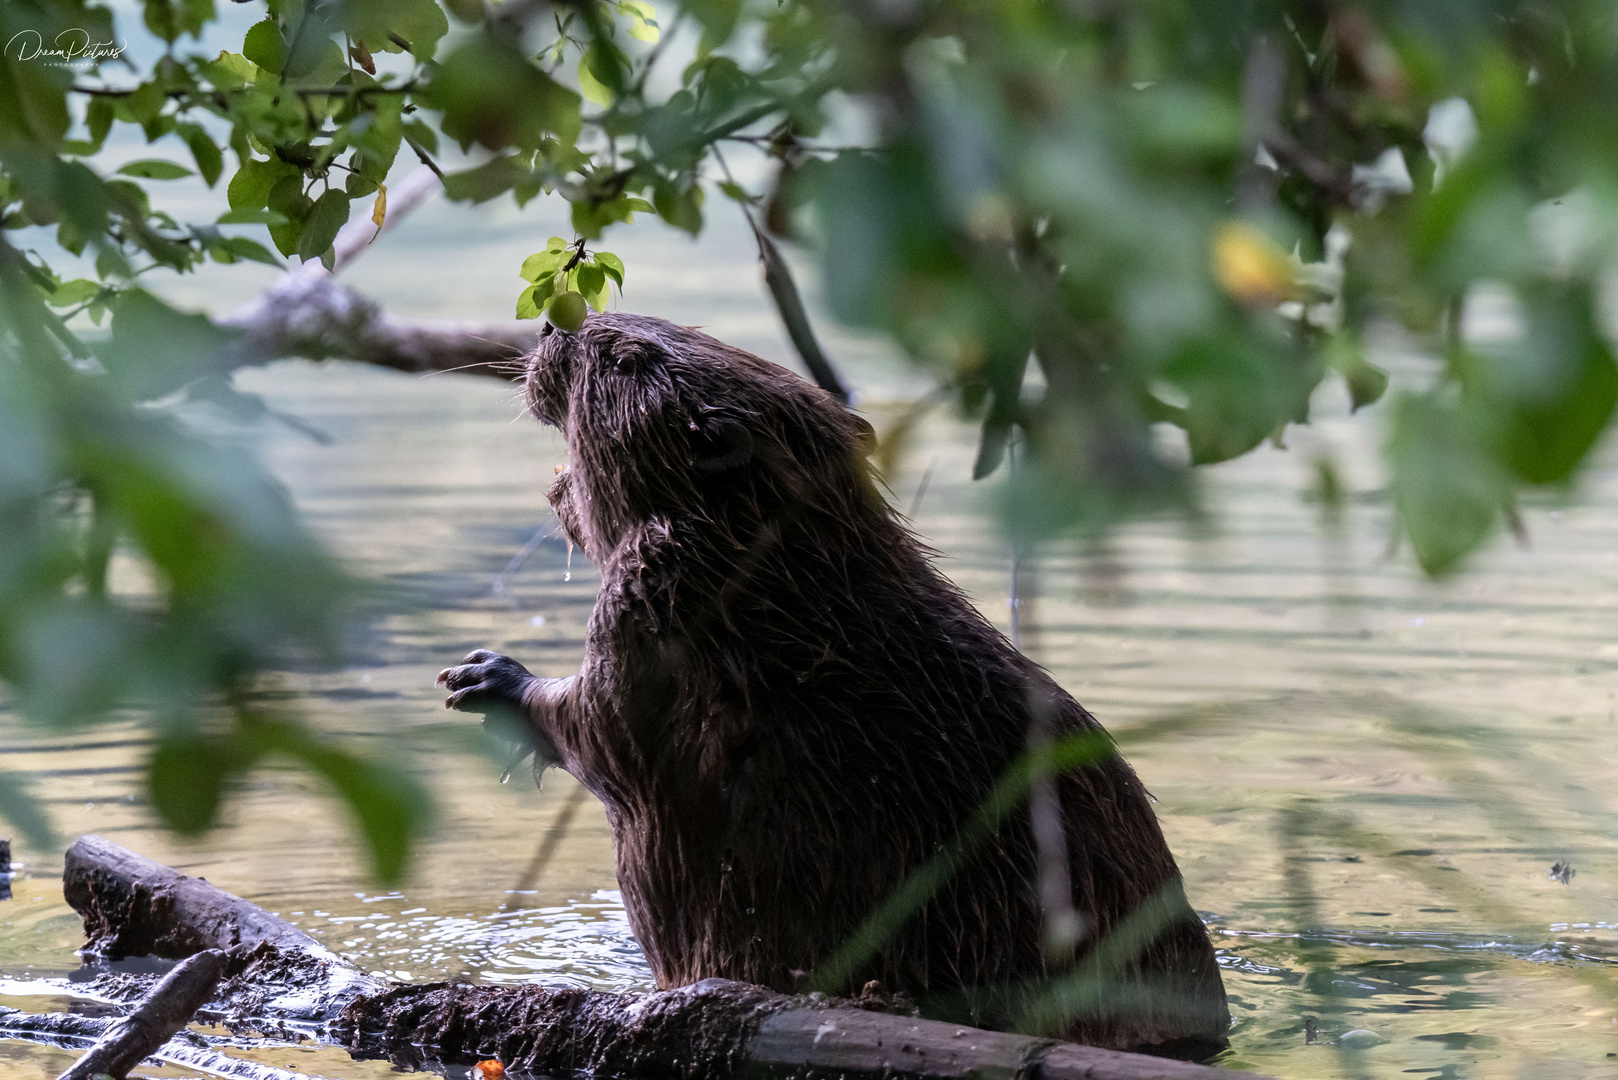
[515,703]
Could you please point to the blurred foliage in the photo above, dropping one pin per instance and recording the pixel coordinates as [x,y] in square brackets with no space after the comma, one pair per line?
[1089,218]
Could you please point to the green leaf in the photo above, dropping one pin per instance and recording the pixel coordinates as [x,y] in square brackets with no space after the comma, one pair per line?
[611,265]
[142,104]
[544,262]
[682,209]
[642,19]
[718,19]
[420,22]
[186,779]
[1366,382]
[392,808]
[326,218]
[264,46]
[168,19]
[155,349]
[250,188]
[423,134]
[531,301]
[210,162]
[83,197]
[492,95]
[98,117]
[155,169]
[1546,441]
[1447,486]
[490,180]
[19,806]
[231,71]
[591,282]
[252,217]
[1235,394]
[591,87]
[252,250]
[287,198]
[69,293]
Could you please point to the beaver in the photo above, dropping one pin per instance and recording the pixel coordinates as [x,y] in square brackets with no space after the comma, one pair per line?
[787,711]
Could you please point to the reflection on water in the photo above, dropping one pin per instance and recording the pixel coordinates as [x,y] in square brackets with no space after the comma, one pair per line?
[583,942]
[1367,778]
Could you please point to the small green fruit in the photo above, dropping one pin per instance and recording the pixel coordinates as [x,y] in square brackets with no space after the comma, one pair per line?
[567,311]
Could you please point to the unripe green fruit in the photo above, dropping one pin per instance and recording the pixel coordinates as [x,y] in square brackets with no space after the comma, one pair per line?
[567,311]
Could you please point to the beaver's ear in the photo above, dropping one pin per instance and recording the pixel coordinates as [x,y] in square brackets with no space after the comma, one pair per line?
[632,357]
[720,444]
[865,440]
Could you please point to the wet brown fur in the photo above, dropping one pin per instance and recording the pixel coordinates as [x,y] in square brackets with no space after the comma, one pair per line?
[786,709]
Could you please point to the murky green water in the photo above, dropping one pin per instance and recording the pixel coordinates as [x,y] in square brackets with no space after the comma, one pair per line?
[1366,777]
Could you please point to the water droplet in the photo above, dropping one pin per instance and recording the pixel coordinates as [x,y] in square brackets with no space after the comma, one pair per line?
[567,573]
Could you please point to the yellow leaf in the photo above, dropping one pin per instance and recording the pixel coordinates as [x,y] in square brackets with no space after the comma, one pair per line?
[1250,266]
[642,19]
[379,212]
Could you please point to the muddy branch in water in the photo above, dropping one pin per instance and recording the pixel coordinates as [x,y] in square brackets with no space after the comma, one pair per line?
[70,1031]
[716,1028]
[165,1009]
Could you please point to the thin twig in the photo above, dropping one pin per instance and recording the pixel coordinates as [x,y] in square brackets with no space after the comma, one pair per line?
[426,159]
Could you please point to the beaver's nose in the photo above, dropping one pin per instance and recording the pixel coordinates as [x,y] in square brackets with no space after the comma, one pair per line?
[545,331]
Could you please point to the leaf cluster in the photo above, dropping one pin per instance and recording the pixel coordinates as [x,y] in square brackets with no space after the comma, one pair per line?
[563,267]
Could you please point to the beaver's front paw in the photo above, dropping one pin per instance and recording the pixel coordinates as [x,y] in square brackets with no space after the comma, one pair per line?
[486,683]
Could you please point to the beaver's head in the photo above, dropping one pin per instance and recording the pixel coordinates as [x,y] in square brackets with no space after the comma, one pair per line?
[664,421]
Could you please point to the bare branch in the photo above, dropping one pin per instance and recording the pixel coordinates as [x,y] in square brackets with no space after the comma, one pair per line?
[167,1008]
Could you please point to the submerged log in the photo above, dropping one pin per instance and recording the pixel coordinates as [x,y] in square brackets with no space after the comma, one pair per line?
[165,1009]
[715,1028]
